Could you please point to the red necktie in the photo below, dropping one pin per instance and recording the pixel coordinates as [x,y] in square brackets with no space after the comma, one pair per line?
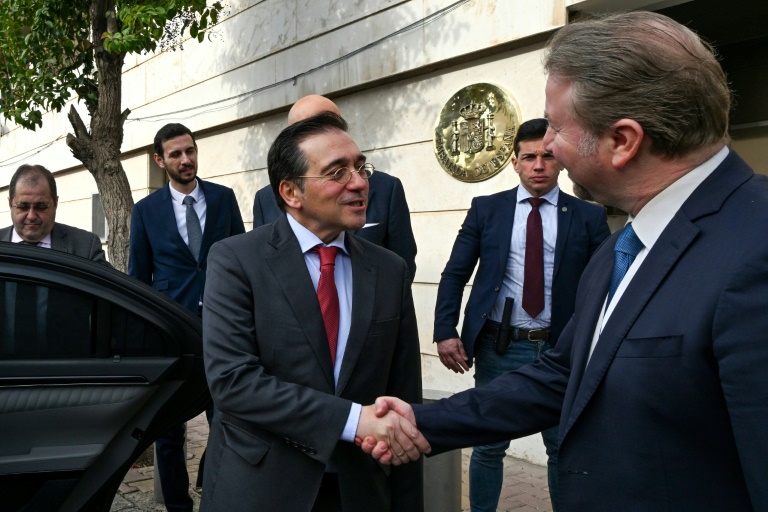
[328,297]
[533,282]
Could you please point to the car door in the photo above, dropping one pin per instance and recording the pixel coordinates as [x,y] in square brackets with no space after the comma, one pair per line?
[94,366]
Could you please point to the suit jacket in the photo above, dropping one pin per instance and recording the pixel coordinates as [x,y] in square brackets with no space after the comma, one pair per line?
[388,221]
[158,255]
[671,411]
[269,369]
[71,240]
[485,236]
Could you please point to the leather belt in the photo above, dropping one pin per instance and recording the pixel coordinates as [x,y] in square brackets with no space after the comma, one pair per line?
[532,335]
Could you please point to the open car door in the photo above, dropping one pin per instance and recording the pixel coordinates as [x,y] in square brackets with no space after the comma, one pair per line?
[94,366]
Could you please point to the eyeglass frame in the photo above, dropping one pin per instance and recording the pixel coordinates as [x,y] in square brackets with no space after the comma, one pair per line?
[38,207]
[332,176]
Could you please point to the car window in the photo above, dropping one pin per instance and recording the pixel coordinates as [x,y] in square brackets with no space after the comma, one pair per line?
[49,321]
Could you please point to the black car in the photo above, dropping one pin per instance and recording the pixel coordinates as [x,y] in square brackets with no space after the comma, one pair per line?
[94,366]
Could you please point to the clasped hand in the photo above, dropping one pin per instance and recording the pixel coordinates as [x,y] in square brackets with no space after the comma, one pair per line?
[387,431]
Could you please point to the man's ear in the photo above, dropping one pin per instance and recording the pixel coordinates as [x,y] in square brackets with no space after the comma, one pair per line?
[291,194]
[625,138]
[159,161]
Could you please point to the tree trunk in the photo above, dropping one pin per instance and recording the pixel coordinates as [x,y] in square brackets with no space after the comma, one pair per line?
[99,150]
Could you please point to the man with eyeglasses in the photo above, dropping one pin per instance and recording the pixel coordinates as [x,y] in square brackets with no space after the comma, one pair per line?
[304,324]
[32,198]
[388,220]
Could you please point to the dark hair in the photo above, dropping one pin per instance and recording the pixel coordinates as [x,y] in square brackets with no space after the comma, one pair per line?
[533,129]
[32,173]
[646,67]
[286,161]
[168,132]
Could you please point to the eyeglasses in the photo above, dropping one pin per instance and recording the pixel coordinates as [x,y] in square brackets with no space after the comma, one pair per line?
[344,174]
[25,207]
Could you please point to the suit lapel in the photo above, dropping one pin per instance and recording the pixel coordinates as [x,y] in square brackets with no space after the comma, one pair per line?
[506,222]
[564,216]
[668,249]
[212,205]
[363,300]
[58,239]
[288,266]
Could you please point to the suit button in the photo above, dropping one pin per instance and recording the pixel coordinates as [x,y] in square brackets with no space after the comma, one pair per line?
[496,289]
[199,269]
[484,315]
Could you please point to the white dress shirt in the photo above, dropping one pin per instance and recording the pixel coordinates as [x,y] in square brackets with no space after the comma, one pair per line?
[514,275]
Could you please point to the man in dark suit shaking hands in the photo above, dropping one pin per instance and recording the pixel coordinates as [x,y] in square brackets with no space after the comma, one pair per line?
[388,221]
[498,232]
[172,230]
[659,381]
[305,322]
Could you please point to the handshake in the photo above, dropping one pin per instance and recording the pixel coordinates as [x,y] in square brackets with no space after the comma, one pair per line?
[387,431]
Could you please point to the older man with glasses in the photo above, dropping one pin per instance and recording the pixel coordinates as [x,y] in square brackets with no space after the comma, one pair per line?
[33,200]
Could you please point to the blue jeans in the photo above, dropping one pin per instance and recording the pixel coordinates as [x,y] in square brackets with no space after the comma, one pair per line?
[486,467]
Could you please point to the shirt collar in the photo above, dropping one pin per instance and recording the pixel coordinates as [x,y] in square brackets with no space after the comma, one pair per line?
[550,197]
[179,197]
[653,218]
[45,242]
[308,240]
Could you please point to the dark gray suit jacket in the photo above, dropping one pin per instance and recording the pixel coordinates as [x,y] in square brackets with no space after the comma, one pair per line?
[71,240]
[270,373]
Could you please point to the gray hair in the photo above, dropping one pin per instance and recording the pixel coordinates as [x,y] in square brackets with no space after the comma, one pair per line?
[646,67]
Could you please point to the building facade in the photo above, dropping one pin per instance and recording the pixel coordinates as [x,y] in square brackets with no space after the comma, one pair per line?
[390,65]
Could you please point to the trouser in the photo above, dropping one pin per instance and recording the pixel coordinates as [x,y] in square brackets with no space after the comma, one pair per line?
[486,467]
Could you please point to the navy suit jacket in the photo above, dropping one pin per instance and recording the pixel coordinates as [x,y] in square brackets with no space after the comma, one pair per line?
[158,255]
[387,218]
[485,236]
[671,411]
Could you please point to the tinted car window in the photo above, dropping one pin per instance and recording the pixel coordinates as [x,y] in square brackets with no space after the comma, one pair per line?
[47,321]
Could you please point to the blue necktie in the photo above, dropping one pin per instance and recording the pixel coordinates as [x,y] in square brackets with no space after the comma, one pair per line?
[194,232]
[626,248]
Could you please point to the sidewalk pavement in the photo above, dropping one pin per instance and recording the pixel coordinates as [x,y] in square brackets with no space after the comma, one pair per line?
[524,490]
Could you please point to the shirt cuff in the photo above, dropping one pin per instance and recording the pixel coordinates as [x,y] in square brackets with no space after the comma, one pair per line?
[350,429]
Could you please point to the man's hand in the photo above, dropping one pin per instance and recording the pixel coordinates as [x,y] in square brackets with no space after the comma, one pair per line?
[387,432]
[452,355]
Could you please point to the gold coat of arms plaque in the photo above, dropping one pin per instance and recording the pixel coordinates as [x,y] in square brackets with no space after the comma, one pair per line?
[474,132]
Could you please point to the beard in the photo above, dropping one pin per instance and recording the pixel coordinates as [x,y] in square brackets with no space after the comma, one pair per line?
[587,145]
[582,193]
[177,177]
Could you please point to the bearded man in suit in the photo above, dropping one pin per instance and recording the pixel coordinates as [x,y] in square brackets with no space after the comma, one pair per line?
[172,230]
